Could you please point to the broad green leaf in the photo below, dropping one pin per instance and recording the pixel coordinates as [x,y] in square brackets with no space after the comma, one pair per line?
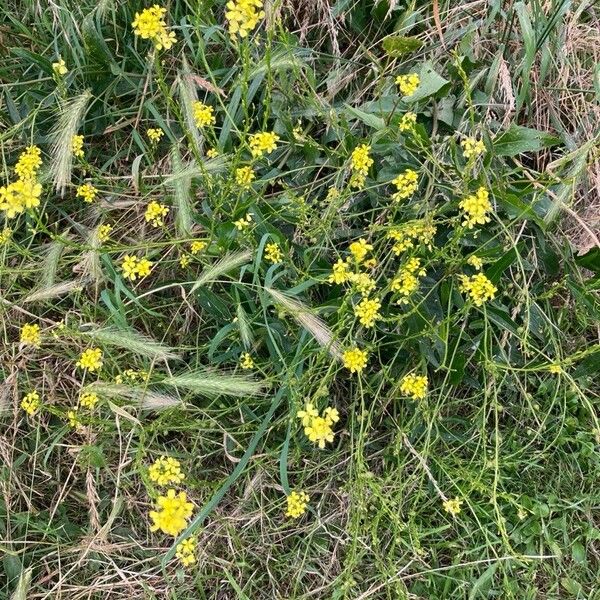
[368,119]
[399,45]
[517,140]
[431,84]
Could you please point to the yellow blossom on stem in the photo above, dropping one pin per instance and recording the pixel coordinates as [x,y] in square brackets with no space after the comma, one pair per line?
[355,360]
[73,419]
[30,334]
[29,163]
[154,134]
[453,506]
[244,176]
[104,232]
[296,504]
[31,403]
[60,67]
[407,122]
[150,25]
[476,208]
[360,160]
[5,235]
[172,513]
[186,551]
[90,359]
[203,114]
[317,428]
[406,185]
[414,386]
[88,192]
[212,153]
[340,272]
[478,287]
[77,146]
[408,84]
[263,143]
[19,195]
[472,148]
[243,223]
[155,213]
[475,262]
[88,400]
[197,246]
[367,311]
[166,470]
[273,253]
[363,282]
[246,361]
[359,249]
[133,267]
[243,16]
[184,261]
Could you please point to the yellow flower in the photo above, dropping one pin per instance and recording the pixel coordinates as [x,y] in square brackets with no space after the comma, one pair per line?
[155,213]
[308,414]
[296,504]
[453,506]
[556,369]
[212,153]
[186,551]
[88,400]
[28,163]
[244,176]
[134,267]
[166,470]
[87,191]
[77,146]
[104,232]
[367,311]
[406,184]
[243,223]
[478,287]
[197,246]
[407,282]
[31,403]
[408,84]
[472,148]
[90,359]
[30,334]
[360,249]
[407,122]
[154,134]
[340,272]
[475,261]
[150,24]
[203,114]
[60,67]
[19,195]
[363,282]
[144,267]
[243,16]
[5,235]
[476,208]
[263,143]
[172,513]
[414,386]
[73,418]
[360,160]
[355,360]
[317,428]
[184,261]
[406,236]
[273,253]
[246,361]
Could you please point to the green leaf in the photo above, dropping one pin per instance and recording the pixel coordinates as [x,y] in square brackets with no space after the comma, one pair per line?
[431,84]
[368,119]
[399,45]
[590,260]
[516,140]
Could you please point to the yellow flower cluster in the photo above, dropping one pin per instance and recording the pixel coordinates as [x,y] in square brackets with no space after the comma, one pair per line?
[60,67]
[273,253]
[150,25]
[453,506]
[243,16]
[197,246]
[407,122]
[73,419]
[212,153]
[166,470]
[77,146]
[90,359]
[407,280]
[88,400]
[476,208]
[24,193]
[154,134]
[355,360]
[5,235]
[408,84]
[475,262]
[296,504]
[104,232]
[478,287]
[367,311]
[156,213]
[414,386]
[263,143]
[360,162]
[363,282]
[133,376]
[186,551]
[88,192]
[409,235]
[30,334]
[359,249]
[340,272]
[31,403]
[203,114]
[318,429]
[244,176]
[134,267]
[172,513]
[472,148]
[243,223]
[406,184]
[246,361]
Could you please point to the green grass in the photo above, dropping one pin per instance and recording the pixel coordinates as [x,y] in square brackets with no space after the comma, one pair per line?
[498,429]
